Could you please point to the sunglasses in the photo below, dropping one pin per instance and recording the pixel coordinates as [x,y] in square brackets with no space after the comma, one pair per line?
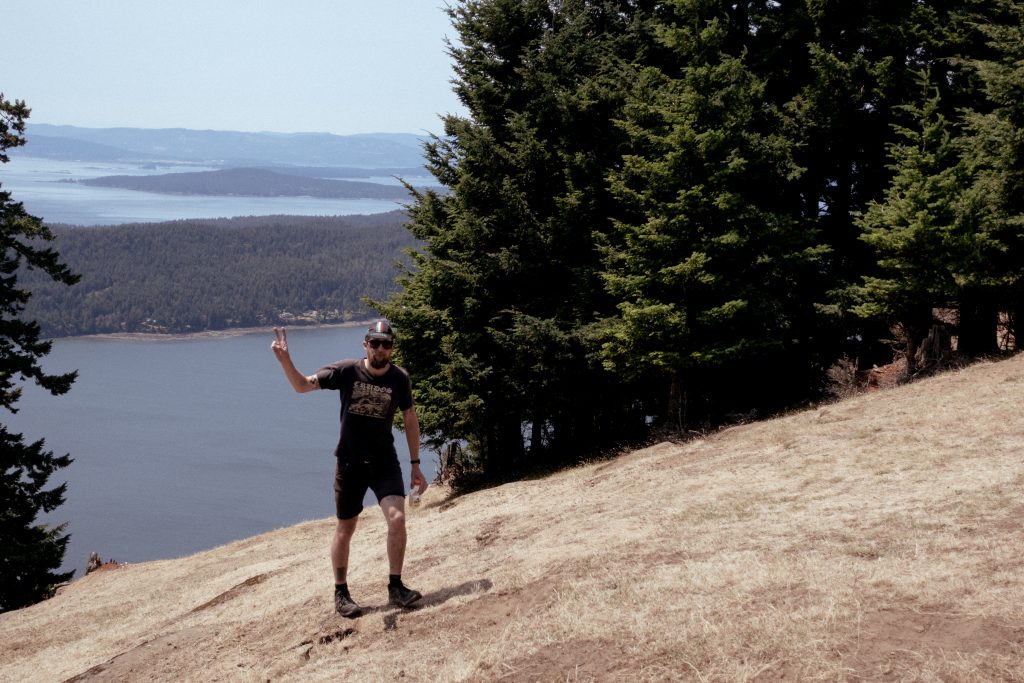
[377,343]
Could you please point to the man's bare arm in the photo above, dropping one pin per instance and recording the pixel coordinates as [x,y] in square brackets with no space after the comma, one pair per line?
[411,422]
[301,383]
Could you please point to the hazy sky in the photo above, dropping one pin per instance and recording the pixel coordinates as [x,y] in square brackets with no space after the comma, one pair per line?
[336,66]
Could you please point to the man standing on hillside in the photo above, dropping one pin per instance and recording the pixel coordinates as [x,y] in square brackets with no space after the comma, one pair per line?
[371,389]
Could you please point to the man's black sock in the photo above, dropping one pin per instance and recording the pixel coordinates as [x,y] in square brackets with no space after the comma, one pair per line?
[394,580]
[342,588]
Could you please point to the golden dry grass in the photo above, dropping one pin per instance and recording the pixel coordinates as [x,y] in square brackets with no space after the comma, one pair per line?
[877,538]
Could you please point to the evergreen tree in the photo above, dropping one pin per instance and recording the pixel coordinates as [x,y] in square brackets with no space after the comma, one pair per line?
[497,314]
[650,201]
[947,232]
[713,275]
[833,71]
[843,74]
[994,146]
[930,234]
[31,551]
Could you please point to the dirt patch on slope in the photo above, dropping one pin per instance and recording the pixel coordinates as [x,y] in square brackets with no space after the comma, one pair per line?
[891,644]
[151,659]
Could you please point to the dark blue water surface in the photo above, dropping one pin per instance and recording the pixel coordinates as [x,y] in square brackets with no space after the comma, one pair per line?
[187,443]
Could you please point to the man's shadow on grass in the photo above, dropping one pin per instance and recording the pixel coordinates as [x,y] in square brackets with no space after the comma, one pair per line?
[438,597]
[445,594]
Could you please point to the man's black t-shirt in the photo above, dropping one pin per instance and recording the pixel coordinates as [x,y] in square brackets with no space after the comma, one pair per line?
[368,405]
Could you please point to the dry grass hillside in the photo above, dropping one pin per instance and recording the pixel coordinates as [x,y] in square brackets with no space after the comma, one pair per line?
[878,538]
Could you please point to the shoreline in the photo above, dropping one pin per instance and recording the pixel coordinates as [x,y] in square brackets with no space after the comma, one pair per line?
[209,334]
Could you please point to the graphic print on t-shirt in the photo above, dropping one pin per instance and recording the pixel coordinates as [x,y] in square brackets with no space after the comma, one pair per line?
[370,400]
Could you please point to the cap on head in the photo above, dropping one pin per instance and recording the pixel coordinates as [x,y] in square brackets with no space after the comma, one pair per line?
[380,330]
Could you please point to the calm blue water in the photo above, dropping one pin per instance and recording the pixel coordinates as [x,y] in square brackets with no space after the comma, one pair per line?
[35,182]
[184,444]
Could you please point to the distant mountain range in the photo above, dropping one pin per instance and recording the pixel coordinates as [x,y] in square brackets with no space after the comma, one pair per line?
[223,148]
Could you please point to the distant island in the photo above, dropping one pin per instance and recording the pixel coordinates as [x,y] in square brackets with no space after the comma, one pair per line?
[251,182]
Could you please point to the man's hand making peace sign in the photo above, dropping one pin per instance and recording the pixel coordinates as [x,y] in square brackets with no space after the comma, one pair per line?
[299,382]
[280,345]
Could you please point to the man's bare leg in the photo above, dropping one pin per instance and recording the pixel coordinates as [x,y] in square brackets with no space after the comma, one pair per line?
[339,547]
[393,508]
[340,543]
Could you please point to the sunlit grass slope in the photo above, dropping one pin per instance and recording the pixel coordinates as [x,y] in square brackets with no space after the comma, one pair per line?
[878,538]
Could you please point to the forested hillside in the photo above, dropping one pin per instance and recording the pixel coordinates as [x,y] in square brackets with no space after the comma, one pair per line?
[251,182]
[194,275]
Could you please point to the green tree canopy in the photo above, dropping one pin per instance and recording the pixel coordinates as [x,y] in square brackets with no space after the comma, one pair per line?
[994,148]
[947,232]
[31,551]
[714,274]
[498,312]
[657,208]
[933,235]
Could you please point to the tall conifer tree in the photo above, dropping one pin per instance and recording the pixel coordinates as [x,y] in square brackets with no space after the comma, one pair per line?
[713,274]
[944,233]
[931,233]
[497,313]
[843,73]
[30,551]
[994,146]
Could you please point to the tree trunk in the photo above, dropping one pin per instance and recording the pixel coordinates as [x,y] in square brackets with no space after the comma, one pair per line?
[979,322]
[1013,327]
[677,400]
[912,338]
[936,349]
[537,435]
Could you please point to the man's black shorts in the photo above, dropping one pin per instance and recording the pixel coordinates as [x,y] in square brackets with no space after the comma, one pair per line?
[352,479]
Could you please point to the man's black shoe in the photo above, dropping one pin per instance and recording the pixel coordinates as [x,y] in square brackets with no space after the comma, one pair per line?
[400,596]
[346,606]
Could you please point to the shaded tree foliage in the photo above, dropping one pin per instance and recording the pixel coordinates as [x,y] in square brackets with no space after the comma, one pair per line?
[847,74]
[993,146]
[30,551]
[933,234]
[656,209]
[500,311]
[714,273]
[947,233]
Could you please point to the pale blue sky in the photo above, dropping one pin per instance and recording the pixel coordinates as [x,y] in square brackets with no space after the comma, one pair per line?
[336,66]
